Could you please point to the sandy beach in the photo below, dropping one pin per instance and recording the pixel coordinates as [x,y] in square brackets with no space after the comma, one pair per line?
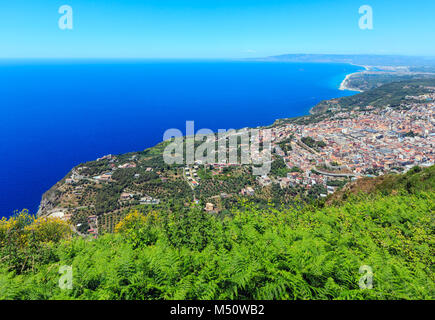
[344,83]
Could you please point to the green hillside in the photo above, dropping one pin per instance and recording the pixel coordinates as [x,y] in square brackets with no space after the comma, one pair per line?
[185,253]
[415,180]
[367,81]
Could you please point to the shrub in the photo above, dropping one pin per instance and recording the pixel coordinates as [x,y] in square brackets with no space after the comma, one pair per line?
[139,229]
[25,240]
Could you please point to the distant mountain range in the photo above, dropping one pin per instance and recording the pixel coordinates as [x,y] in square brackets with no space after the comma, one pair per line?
[379,69]
[369,60]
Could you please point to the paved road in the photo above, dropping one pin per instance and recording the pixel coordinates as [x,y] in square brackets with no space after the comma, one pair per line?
[347,175]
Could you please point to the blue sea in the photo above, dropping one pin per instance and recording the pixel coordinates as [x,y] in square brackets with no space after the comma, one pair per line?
[57,114]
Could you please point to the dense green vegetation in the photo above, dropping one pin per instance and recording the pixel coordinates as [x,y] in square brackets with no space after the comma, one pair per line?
[316,145]
[279,168]
[285,145]
[311,252]
[415,180]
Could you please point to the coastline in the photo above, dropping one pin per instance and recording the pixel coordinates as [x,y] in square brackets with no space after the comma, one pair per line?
[344,84]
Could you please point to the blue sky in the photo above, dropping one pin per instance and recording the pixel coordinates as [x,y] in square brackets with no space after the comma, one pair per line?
[213,29]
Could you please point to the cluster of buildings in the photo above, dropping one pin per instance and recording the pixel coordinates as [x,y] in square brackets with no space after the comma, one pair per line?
[360,142]
[191,174]
[93,225]
[248,191]
[127,165]
[107,176]
[126,197]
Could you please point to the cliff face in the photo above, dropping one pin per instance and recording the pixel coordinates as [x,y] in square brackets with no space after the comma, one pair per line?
[50,199]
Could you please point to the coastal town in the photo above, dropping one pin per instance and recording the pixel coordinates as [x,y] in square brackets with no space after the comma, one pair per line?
[360,142]
[354,144]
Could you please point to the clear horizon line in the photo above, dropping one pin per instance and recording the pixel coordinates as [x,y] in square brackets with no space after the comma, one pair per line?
[217,58]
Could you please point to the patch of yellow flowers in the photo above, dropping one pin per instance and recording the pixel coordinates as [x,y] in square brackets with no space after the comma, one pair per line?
[24,228]
[136,219]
